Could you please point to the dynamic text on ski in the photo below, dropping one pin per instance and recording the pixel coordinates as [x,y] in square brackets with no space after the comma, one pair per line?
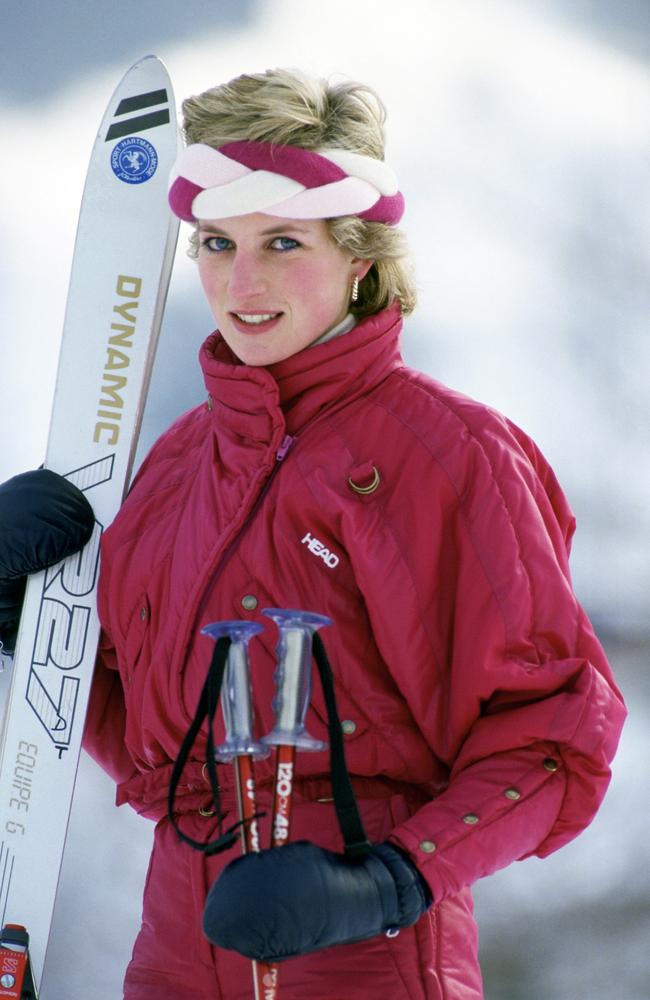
[120,341]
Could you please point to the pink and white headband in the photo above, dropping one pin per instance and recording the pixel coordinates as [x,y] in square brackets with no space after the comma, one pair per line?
[243,177]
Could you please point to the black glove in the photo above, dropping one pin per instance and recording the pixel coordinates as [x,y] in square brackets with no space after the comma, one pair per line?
[300,898]
[43,519]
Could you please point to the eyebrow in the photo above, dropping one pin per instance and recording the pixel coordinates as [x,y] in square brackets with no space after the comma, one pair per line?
[209,227]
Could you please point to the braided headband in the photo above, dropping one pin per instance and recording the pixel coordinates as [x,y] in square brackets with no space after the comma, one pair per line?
[294,183]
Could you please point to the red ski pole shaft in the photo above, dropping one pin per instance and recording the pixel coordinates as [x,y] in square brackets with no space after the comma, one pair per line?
[265,975]
[282,794]
[246,801]
[242,748]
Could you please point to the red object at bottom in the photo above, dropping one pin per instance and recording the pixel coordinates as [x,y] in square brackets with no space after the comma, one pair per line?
[265,975]
[16,981]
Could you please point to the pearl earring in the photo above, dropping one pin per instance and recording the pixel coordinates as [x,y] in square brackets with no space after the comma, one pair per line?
[355,288]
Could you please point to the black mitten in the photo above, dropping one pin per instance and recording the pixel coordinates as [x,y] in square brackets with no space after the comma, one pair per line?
[300,898]
[43,519]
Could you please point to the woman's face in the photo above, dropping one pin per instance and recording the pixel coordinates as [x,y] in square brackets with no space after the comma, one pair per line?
[274,285]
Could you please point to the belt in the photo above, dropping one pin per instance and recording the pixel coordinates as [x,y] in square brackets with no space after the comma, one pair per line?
[147,791]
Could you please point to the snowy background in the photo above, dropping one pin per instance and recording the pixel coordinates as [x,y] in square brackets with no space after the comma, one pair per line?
[519,133]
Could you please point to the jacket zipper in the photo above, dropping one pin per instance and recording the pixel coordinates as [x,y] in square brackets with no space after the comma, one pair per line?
[280,455]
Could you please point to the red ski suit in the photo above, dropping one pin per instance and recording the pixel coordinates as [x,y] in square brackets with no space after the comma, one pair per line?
[479,711]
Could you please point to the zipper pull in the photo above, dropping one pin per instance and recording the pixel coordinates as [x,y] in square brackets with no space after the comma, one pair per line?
[286,443]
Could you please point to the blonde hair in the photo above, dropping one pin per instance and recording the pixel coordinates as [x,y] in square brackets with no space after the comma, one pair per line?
[290,108]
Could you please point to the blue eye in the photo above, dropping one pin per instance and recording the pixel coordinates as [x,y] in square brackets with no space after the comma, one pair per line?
[284,243]
[216,244]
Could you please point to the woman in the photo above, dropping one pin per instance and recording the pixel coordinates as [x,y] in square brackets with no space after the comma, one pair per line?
[478,709]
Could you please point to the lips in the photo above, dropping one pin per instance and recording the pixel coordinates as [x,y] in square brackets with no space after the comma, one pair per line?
[257,322]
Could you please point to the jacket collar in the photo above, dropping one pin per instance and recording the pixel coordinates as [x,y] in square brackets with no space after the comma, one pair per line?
[255,403]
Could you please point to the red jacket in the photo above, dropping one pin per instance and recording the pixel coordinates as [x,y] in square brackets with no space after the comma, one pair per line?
[471,681]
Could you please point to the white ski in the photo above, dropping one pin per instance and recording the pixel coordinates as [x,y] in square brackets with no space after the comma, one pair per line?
[120,273]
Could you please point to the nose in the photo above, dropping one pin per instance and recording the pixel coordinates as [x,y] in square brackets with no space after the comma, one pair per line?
[247,277]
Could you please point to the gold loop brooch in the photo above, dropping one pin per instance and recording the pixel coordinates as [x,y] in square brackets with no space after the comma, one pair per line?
[370,488]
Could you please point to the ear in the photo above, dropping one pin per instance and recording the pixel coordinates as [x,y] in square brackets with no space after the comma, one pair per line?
[360,267]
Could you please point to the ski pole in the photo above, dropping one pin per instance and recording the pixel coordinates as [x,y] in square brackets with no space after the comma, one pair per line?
[293,692]
[242,749]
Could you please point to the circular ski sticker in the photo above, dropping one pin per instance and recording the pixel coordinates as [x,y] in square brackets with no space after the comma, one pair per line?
[134,160]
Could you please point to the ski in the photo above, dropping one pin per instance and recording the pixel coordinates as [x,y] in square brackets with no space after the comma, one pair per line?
[121,268]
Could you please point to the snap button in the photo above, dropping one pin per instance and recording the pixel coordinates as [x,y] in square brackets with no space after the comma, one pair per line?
[249,602]
[512,793]
[143,614]
[551,765]
[471,819]
[427,846]
[348,727]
